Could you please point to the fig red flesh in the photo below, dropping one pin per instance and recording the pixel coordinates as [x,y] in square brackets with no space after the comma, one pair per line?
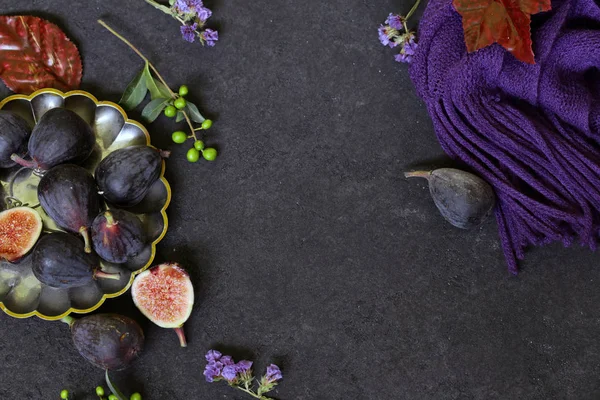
[165,295]
[20,229]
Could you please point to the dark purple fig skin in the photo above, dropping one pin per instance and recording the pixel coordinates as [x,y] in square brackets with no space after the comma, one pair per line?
[14,132]
[109,341]
[118,235]
[69,195]
[59,137]
[125,175]
[59,261]
[465,200]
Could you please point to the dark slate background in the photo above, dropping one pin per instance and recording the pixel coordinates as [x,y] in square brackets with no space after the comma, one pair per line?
[306,245]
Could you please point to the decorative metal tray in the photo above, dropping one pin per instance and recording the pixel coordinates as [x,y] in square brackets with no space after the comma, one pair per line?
[21,294]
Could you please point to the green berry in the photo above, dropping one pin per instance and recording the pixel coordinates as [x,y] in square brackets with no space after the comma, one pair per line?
[183,90]
[180,103]
[206,124]
[199,145]
[100,391]
[209,154]
[179,136]
[113,397]
[64,394]
[170,111]
[193,155]
[137,396]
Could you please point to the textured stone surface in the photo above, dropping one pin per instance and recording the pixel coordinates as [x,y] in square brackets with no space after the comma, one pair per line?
[306,245]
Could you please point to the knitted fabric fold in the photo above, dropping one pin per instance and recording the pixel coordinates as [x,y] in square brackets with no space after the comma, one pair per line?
[532,131]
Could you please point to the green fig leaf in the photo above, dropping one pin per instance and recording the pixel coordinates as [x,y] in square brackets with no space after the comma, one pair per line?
[179,117]
[156,87]
[194,113]
[154,108]
[113,388]
[135,92]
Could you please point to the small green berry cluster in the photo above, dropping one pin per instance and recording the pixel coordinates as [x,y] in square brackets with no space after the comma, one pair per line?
[64,395]
[179,137]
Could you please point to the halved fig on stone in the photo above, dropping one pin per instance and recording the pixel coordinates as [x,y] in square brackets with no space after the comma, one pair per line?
[165,295]
[20,228]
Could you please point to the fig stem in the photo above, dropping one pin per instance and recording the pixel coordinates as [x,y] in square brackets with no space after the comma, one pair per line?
[164,153]
[107,275]
[418,174]
[68,320]
[83,231]
[181,335]
[110,221]
[21,161]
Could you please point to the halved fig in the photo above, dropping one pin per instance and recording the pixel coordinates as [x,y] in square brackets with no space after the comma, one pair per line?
[165,295]
[20,228]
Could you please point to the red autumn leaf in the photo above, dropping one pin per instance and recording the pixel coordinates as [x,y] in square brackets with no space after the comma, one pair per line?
[506,22]
[36,54]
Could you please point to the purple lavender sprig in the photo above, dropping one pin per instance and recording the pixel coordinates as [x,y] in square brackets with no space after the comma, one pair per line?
[192,14]
[395,32]
[239,375]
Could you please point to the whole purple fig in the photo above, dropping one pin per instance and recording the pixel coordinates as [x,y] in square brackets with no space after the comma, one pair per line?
[109,341]
[465,200]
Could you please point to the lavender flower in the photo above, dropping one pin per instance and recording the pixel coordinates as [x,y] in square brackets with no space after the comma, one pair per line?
[210,37]
[229,373]
[227,360]
[395,32]
[395,21]
[203,13]
[387,35]
[213,355]
[189,32]
[212,371]
[243,366]
[182,6]
[408,50]
[239,376]
[273,373]
[187,6]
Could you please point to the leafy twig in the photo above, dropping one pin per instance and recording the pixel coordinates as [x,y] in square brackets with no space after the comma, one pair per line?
[139,53]
[163,98]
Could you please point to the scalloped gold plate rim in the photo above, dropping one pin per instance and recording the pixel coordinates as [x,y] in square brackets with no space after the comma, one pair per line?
[163,210]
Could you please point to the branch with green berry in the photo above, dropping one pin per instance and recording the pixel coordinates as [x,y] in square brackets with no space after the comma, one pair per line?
[115,393]
[101,393]
[164,100]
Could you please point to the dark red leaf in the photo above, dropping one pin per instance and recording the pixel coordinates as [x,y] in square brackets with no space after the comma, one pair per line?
[500,21]
[36,54]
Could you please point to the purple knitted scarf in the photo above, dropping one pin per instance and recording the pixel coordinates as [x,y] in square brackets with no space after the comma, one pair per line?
[532,131]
